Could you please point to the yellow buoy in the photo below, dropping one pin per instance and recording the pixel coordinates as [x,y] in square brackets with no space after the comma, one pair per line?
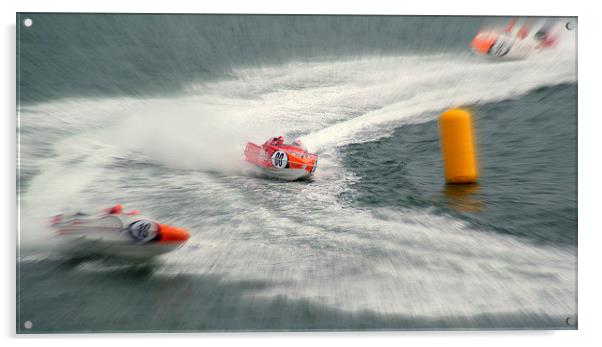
[457,146]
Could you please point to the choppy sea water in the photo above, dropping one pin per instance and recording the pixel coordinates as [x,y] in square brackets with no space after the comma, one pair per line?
[153,112]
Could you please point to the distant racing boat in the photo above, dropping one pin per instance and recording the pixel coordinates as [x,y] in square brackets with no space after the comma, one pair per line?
[511,45]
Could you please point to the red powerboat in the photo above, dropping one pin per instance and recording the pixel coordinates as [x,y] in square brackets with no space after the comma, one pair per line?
[275,158]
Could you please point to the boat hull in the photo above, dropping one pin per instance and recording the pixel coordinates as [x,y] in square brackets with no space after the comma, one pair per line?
[116,235]
[281,162]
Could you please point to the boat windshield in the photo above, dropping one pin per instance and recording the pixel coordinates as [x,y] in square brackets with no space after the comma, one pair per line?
[298,144]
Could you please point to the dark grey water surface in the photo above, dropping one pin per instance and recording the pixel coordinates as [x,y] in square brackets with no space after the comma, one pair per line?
[67,54]
[528,185]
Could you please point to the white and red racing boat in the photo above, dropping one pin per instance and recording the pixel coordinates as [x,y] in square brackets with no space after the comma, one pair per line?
[511,44]
[115,233]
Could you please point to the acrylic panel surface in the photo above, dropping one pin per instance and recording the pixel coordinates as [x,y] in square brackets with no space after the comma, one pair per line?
[153,112]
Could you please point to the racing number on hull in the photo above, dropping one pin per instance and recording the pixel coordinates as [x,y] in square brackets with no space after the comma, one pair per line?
[279,159]
[143,230]
[500,48]
[313,169]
